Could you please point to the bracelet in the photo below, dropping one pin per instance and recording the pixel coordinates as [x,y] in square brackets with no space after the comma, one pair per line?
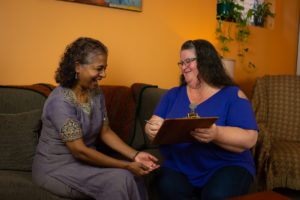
[136,153]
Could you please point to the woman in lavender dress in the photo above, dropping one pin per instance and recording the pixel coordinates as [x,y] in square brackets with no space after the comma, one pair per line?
[74,116]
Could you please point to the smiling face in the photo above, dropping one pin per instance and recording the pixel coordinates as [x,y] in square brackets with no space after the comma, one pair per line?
[90,74]
[189,70]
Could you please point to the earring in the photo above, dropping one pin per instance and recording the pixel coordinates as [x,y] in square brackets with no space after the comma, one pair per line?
[76,76]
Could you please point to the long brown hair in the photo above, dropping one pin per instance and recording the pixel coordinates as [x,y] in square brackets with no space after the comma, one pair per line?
[209,64]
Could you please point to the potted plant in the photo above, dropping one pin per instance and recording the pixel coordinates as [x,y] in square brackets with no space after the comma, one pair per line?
[225,9]
[261,12]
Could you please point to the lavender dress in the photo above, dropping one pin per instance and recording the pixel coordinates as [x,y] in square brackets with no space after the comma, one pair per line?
[58,171]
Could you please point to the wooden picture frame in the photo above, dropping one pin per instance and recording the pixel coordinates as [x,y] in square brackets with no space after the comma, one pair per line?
[134,5]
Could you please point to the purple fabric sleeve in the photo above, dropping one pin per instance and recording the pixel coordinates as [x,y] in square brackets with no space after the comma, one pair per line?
[63,117]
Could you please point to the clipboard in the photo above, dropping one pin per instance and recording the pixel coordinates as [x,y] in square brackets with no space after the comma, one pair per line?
[178,130]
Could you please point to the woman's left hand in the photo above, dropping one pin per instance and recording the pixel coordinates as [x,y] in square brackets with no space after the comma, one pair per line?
[205,135]
[147,159]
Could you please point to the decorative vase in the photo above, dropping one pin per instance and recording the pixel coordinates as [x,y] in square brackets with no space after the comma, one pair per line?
[229,65]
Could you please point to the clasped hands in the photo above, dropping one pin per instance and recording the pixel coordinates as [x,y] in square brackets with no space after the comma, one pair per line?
[143,164]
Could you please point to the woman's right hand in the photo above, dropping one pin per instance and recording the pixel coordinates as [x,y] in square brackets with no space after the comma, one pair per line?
[138,169]
[152,129]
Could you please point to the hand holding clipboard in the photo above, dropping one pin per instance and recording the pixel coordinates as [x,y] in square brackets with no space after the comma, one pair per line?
[178,130]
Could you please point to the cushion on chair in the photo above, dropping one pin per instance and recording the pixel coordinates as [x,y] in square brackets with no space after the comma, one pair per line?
[18,139]
[284,165]
[283,107]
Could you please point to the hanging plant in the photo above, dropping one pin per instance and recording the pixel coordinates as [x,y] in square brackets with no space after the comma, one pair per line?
[224,36]
[243,32]
[223,33]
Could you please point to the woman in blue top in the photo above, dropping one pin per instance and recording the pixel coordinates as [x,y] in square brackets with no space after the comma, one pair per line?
[219,164]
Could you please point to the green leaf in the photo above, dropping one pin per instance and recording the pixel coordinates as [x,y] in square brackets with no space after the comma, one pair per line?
[246,32]
[251,65]
[250,13]
[225,49]
[223,38]
[239,7]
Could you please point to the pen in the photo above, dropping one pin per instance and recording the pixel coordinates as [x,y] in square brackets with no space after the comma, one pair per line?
[149,122]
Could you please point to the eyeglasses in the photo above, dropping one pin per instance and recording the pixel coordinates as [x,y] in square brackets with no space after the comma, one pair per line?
[186,62]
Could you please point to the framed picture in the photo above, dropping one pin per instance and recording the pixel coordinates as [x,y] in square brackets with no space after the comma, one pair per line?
[135,5]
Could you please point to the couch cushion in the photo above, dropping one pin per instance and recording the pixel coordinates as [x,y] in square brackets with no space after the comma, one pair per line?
[150,99]
[16,99]
[120,107]
[17,185]
[18,139]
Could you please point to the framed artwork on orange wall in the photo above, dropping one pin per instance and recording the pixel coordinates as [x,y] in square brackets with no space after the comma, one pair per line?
[135,5]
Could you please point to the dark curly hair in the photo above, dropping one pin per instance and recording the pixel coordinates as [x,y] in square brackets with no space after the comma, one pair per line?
[209,64]
[80,51]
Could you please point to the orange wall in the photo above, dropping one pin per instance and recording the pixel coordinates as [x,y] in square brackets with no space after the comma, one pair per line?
[143,46]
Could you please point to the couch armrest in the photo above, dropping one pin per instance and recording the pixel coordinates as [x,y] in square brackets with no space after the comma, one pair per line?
[261,151]
[263,145]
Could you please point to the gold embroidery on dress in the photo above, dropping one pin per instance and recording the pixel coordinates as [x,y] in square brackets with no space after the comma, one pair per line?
[70,131]
[86,107]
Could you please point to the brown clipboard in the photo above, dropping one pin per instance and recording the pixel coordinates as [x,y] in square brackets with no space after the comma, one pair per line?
[178,130]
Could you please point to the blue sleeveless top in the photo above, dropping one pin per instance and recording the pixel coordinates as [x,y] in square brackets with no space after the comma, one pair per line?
[198,161]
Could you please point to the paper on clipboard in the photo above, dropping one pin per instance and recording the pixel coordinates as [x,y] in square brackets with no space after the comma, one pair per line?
[178,130]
